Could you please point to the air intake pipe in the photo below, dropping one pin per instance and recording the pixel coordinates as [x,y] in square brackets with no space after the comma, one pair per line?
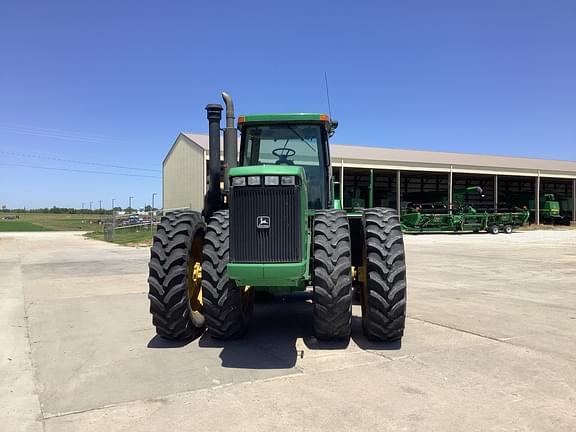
[213,198]
[230,141]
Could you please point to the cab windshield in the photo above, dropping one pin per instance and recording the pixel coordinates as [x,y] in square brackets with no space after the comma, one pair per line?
[286,144]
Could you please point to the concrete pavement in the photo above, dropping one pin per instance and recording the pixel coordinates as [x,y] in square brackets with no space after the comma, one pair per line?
[490,345]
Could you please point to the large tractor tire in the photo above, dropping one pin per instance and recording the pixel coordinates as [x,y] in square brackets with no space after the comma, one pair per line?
[332,275]
[384,285]
[227,307]
[175,273]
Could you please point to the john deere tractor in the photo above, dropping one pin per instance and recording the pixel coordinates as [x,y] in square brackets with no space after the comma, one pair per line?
[273,223]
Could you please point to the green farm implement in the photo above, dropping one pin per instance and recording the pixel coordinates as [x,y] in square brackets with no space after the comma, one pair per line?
[273,223]
[550,210]
[437,217]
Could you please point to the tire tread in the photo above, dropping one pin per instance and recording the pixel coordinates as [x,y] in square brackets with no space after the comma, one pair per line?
[168,275]
[384,314]
[221,297]
[332,275]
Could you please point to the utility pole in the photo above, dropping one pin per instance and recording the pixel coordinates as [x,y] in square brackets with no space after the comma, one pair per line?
[152,212]
[537,221]
[113,227]
[100,201]
[83,204]
[91,205]
[130,203]
[450,189]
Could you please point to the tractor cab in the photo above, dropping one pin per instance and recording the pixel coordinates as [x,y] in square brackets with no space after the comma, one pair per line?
[298,139]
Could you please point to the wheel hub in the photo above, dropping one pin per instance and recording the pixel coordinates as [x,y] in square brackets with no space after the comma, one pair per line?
[195,282]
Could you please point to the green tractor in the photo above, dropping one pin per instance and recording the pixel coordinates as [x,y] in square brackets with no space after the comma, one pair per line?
[551,210]
[274,224]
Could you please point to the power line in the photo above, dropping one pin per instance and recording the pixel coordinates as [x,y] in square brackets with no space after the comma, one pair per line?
[76,161]
[78,171]
[51,133]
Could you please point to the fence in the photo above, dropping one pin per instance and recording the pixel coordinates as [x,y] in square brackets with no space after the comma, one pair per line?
[112,225]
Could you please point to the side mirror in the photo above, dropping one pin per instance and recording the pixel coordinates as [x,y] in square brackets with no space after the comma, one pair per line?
[333,126]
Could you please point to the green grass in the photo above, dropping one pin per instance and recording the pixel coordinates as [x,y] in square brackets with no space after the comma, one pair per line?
[19,226]
[49,222]
[126,236]
[135,236]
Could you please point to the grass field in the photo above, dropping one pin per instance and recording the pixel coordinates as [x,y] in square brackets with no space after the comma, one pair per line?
[30,222]
[19,226]
[126,236]
[48,222]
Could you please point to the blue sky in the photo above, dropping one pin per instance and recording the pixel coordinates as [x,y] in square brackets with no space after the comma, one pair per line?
[112,83]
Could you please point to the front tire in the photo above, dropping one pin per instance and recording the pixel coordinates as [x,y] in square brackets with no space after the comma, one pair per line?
[227,307]
[174,276]
[332,275]
[384,287]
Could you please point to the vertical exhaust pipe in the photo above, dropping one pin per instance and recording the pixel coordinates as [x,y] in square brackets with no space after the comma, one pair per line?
[213,199]
[230,141]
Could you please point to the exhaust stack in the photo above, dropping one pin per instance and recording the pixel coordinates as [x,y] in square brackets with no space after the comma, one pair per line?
[230,141]
[213,199]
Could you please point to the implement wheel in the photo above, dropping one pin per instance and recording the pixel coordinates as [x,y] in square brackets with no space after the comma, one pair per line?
[332,275]
[508,229]
[227,307]
[175,275]
[384,285]
[494,229]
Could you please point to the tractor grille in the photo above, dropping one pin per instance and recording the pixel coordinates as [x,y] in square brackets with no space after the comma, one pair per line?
[277,207]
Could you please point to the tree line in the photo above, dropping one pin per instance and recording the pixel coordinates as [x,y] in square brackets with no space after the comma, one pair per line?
[66,210]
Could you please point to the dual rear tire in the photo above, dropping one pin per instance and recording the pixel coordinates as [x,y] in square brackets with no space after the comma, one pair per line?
[189,286]
[383,292]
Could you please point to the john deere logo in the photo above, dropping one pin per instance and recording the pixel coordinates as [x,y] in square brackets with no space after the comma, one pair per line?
[263,222]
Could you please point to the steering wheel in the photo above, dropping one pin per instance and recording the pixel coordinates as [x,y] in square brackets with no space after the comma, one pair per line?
[283,153]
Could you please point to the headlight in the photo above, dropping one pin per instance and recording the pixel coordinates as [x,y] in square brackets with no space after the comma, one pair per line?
[238,181]
[254,181]
[288,180]
[271,180]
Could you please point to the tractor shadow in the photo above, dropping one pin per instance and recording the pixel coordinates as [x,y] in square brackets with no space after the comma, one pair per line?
[160,343]
[272,340]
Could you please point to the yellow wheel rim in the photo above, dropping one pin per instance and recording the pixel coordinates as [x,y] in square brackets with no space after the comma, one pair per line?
[246,298]
[363,279]
[195,276]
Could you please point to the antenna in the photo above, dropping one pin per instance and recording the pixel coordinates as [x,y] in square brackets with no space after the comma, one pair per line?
[327,94]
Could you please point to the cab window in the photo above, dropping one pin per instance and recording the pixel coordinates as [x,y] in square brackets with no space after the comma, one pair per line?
[286,144]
